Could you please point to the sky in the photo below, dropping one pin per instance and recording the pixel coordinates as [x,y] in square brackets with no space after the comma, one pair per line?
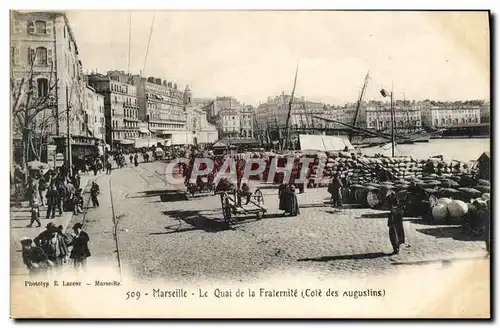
[251,55]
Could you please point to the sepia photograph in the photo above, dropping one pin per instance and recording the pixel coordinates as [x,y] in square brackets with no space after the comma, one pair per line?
[250,164]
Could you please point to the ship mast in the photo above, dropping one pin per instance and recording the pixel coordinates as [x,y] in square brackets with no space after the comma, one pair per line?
[360,99]
[287,131]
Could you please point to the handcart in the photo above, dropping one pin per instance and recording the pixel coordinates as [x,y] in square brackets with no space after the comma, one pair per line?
[235,205]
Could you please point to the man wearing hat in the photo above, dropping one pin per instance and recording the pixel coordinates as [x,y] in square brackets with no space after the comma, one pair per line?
[80,251]
[34,258]
[53,244]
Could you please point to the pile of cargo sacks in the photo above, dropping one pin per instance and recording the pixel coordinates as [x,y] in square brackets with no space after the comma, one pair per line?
[433,188]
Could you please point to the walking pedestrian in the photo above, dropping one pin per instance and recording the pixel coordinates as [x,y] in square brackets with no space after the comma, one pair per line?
[94,192]
[80,251]
[35,215]
[131,158]
[136,160]
[108,167]
[53,202]
[42,189]
[395,224]
[78,202]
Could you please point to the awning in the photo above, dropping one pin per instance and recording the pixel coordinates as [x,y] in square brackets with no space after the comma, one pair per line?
[219,145]
[127,141]
[144,130]
[145,143]
[324,143]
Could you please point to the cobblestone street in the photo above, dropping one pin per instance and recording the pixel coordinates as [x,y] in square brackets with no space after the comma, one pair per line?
[161,234]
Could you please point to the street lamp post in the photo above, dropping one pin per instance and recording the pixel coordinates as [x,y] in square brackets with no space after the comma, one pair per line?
[384,94]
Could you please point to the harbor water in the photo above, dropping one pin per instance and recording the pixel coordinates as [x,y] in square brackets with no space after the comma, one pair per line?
[452,149]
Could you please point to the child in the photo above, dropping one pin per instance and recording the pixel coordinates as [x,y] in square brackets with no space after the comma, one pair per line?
[35,215]
[78,202]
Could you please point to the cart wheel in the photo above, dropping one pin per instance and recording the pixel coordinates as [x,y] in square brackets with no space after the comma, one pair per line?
[259,216]
[259,198]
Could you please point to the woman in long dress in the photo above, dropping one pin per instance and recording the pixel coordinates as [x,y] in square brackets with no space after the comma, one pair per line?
[292,203]
[282,193]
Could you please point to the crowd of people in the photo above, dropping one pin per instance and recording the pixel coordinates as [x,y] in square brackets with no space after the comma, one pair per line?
[52,249]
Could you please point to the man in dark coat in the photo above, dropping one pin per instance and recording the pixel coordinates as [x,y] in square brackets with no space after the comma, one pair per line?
[53,202]
[53,244]
[80,251]
[395,224]
[108,167]
[335,189]
[34,258]
[94,192]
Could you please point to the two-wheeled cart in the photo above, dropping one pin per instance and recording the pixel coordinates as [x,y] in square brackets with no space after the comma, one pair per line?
[234,204]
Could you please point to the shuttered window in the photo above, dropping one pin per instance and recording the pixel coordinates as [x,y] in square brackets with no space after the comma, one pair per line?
[31,27]
[18,26]
[15,58]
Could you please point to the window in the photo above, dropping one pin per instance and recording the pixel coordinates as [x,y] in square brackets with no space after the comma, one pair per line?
[40,27]
[17,26]
[14,54]
[31,27]
[42,87]
[41,56]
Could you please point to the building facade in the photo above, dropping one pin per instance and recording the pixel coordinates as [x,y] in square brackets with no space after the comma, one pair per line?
[121,108]
[247,118]
[228,123]
[198,129]
[94,113]
[446,116]
[43,43]
[162,106]
[274,113]
[213,108]
[379,118]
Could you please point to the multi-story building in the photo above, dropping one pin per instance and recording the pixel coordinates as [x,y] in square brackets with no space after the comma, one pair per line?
[274,113]
[213,107]
[228,123]
[121,109]
[198,129]
[440,116]
[405,118]
[43,43]
[94,113]
[232,118]
[247,118]
[485,112]
[202,102]
[162,106]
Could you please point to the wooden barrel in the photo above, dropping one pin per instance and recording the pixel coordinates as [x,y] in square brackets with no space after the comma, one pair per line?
[369,196]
